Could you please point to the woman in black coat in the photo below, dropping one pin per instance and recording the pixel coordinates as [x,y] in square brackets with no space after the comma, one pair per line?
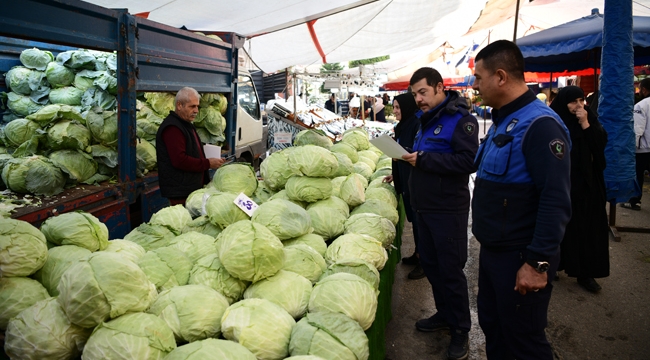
[585,247]
[404,108]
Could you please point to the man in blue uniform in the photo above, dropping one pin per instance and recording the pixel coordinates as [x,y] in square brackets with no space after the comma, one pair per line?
[520,208]
[443,158]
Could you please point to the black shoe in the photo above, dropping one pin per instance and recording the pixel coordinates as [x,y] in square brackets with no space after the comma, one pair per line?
[431,324]
[411,260]
[459,346]
[417,273]
[631,206]
[589,284]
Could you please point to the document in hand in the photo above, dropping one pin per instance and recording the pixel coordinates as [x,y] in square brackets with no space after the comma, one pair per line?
[212,151]
[389,146]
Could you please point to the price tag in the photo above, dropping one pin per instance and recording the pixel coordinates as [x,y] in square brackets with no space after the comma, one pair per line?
[245,204]
[282,138]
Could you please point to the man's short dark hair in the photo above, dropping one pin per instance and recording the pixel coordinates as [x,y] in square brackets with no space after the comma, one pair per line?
[645,83]
[503,54]
[432,75]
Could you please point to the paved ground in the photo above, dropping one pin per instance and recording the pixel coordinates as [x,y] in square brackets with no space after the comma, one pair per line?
[614,324]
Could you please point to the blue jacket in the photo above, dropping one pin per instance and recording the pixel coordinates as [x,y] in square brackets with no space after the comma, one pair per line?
[446,145]
[522,193]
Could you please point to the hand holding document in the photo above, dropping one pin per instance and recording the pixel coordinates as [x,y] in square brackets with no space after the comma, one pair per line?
[389,147]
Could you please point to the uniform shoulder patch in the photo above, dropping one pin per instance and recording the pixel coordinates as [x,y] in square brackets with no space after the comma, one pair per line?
[558,148]
[437,130]
[469,128]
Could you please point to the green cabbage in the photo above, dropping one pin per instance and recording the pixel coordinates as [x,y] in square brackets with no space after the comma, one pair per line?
[327,221]
[36,59]
[275,169]
[250,251]
[329,335]
[304,260]
[34,174]
[103,127]
[346,149]
[381,173]
[372,225]
[357,267]
[211,119]
[22,105]
[59,75]
[18,131]
[166,267]
[85,79]
[356,137]
[313,161]
[333,202]
[16,295]
[222,210]
[371,164]
[68,134]
[336,185]
[304,357]
[68,95]
[315,241]
[79,166]
[357,246]
[59,259]
[286,288]
[76,228]
[162,103]
[262,194]
[211,349]
[312,137]
[132,336]
[145,156]
[332,294]
[345,165]
[50,113]
[261,326]
[151,237]
[126,248]
[103,286]
[379,183]
[235,178]
[363,169]
[174,217]
[22,248]
[385,163]
[353,191]
[77,59]
[194,202]
[96,97]
[209,271]
[282,194]
[23,81]
[285,219]
[202,225]
[193,312]
[43,331]
[382,194]
[4,158]
[378,207]
[308,189]
[369,154]
[194,245]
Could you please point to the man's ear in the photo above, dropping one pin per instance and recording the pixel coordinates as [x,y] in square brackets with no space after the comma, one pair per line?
[502,75]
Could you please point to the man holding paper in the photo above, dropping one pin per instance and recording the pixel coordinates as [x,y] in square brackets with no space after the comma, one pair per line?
[182,164]
[442,159]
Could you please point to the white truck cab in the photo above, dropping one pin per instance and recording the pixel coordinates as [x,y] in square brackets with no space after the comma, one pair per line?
[251,133]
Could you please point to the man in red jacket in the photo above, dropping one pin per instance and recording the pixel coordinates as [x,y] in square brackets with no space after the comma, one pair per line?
[182,165]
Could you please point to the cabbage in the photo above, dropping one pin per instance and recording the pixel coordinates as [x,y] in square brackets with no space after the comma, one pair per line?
[68,134]
[132,336]
[173,217]
[104,285]
[380,154]
[208,99]
[166,267]
[105,157]
[85,79]
[4,158]
[382,194]
[17,294]
[59,259]
[194,202]
[379,183]
[211,349]
[96,97]
[22,105]
[50,113]
[202,225]
[356,137]
[308,189]
[162,103]
[151,237]
[381,173]
[314,241]
[103,127]
[346,149]
[357,267]
[385,163]
[275,169]
[145,156]
[371,164]
[34,174]
[378,207]
[79,166]
[76,228]
[22,248]
[36,59]
[285,219]
[262,194]
[363,169]
[282,194]
[353,191]
[356,246]
[77,59]
[18,131]
[59,75]
[312,137]
[209,271]
[327,221]
[304,260]
[345,165]
[43,331]
[68,95]
[333,294]
[126,248]
[304,357]
[222,210]
[286,288]
[330,336]
[250,251]
[211,119]
[333,202]
[369,154]
[23,81]
[194,245]
[336,185]
[313,161]
[261,326]
[106,82]
[235,178]
[193,312]
[372,225]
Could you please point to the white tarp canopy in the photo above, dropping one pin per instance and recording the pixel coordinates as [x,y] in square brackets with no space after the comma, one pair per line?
[283,33]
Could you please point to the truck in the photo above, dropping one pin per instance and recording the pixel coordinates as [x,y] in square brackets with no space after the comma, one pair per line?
[151,57]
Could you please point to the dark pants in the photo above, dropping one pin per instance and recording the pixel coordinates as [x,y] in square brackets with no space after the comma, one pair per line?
[177,201]
[442,244]
[513,324]
[642,164]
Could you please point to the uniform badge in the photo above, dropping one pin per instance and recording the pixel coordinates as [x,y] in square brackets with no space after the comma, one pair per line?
[469,128]
[558,148]
[512,124]
[437,130]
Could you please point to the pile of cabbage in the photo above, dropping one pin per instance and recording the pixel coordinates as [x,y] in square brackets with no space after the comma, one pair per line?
[205,278]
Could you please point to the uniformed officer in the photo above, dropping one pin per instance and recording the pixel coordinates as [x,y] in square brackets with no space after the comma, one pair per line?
[443,158]
[520,208]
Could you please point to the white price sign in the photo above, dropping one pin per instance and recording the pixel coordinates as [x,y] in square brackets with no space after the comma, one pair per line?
[282,138]
[245,204]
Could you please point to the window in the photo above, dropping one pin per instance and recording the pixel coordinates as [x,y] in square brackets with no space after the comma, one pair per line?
[247,98]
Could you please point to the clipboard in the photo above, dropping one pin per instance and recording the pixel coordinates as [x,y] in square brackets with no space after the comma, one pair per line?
[389,146]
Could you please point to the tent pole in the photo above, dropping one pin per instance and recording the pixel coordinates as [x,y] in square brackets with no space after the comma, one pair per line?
[514,35]
[550,86]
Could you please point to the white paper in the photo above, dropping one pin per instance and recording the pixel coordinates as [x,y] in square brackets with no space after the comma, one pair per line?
[282,138]
[212,151]
[245,204]
[389,146]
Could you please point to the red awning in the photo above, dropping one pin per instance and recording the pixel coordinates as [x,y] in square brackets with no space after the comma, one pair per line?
[402,82]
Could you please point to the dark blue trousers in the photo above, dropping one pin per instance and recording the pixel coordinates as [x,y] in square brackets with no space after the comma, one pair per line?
[442,244]
[513,324]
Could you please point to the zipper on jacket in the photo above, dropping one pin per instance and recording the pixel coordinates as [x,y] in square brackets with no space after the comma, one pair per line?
[505,218]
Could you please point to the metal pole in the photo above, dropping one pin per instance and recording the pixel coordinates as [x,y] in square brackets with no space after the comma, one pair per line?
[514,36]
[295,108]
[550,86]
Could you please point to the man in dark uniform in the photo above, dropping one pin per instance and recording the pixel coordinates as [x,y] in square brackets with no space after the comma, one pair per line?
[333,105]
[443,158]
[182,165]
[520,208]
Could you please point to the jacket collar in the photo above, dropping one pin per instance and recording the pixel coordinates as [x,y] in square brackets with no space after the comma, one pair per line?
[516,104]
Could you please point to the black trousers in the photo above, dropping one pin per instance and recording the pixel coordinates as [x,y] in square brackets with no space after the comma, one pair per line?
[513,324]
[442,244]
[642,164]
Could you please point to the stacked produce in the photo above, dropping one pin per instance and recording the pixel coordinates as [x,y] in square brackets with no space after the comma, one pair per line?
[60,127]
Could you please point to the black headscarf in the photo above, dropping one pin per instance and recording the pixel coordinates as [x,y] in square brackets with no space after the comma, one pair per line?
[408,108]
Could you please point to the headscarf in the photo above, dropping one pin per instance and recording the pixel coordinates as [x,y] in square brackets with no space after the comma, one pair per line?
[408,107]
[378,105]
